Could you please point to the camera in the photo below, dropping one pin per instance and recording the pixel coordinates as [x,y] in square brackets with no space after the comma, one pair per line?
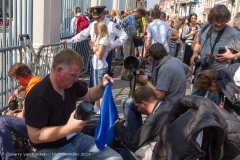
[236,99]
[201,64]
[13,104]
[149,74]
[84,111]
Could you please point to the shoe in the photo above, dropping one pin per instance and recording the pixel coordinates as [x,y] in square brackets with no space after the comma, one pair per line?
[125,77]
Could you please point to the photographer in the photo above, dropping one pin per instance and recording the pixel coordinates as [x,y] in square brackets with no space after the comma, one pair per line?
[217,34]
[169,83]
[141,141]
[221,81]
[15,121]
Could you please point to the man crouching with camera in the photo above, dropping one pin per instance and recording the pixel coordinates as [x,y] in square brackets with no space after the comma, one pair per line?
[169,84]
[221,81]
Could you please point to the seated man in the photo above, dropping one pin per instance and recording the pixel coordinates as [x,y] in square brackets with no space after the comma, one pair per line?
[169,83]
[220,80]
[147,103]
[15,122]
[50,123]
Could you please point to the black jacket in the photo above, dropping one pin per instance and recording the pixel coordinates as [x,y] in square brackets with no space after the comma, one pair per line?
[228,87]
[189,116]
[147,133]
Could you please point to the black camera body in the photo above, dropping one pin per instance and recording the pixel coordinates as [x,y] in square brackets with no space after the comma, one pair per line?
[201,64]
[84,111]
[143,72]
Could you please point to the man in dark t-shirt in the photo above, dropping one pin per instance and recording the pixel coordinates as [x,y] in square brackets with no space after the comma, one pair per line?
[50,109]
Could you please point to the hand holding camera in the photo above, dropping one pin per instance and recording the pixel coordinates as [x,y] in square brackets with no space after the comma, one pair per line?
[225,53]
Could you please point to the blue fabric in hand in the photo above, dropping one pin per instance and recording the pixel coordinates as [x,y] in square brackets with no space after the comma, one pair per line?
[108,115]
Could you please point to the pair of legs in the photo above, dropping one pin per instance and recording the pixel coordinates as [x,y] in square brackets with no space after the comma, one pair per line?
[10,124]
[109,61]
[133,122]
[81,147]
[187,54]
[97,79]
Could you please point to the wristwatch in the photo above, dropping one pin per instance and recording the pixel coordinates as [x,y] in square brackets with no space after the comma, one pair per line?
[236,57]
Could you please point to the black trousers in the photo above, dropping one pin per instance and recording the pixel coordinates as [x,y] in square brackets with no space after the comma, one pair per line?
[187,54]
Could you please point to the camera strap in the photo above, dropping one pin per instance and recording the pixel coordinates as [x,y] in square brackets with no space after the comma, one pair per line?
[216,40]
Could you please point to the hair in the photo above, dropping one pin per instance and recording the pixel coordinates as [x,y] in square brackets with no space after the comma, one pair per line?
[114,13]
[171,23]
[141,11]
[204,79]
[124,15]
[77,9]
[219,11]
[122,12]
[103,33]
[19,69]
[144,93]
[236,19]
[163,15]
[157,51]
[190,16]
[89,10]
[67,57]
[155,13]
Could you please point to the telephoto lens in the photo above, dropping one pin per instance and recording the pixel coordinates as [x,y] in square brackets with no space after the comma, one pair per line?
[13,104]
[84,111]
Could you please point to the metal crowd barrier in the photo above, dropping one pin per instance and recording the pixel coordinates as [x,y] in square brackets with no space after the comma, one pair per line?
[8,56]
[48,51]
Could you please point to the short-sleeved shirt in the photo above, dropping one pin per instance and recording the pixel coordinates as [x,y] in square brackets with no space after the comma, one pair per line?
[45,107]
[228,34]
[140,24]
[186,30]
[159,31]
[172,78]
[101,63]
[130,25]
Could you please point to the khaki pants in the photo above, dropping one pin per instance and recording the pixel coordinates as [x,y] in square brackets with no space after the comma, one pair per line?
[128,50]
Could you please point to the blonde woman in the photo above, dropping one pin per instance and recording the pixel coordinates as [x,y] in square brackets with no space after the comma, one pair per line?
[100,47]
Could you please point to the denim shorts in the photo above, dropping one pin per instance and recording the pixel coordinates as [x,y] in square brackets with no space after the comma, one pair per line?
[98,75]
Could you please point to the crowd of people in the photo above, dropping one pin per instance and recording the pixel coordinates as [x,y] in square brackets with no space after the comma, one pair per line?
[203,125]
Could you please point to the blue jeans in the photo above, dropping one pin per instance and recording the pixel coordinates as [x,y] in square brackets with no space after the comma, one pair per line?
[213,96]
[81,147]
[126,155]
[98,75]
[131,114]
[10,124]
[91,71]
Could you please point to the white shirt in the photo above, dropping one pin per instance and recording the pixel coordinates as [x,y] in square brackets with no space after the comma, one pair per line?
[101,63]
[159,31]
[113,30]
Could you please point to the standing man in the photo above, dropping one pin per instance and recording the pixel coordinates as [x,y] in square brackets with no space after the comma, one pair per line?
[77,12]
[114,31]
[130,27]
[158,31]
[50,110]
[216,35]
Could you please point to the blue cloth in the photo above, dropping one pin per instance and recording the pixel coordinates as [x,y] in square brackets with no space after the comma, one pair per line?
[109,114]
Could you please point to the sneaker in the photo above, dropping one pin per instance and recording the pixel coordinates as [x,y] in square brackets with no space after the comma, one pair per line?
[125,77]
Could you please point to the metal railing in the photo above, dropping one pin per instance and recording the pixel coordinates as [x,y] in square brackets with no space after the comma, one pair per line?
[46,53]
[8,56]
[16,18]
